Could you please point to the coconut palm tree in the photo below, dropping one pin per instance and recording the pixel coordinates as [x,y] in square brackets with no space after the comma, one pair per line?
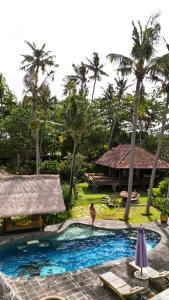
[3,87]
[69,85]
[75,115]
[139,64]
[39,63]
[160,73]
[81,73]
[121,87]
[97,69]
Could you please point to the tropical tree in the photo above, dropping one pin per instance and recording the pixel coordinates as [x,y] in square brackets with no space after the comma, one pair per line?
[18,137]
[77,118]
[81,72]
[69,85]
[160,73]
[139,63]
[121,87]
[3,87]
[38,64]
[97,69]
[7,98]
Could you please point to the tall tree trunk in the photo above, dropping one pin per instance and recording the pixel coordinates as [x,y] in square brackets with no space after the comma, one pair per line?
[94,88]
[18,159]
[2,110]
[140,136]
[37,151]
[158,151]
[168,192]
[133,142]
[111,135]
[72,171]
[36,135]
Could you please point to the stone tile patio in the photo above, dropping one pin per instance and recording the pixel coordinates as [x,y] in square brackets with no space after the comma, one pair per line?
[84,283]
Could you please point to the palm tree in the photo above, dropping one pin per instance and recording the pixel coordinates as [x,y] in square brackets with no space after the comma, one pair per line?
[39,63]
[70,85]
[160,73]
[75,115]
[2,91]
[97,69]
[120,89]
[81,73]
[139,63]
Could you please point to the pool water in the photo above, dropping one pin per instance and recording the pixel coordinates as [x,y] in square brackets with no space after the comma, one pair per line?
[76,247]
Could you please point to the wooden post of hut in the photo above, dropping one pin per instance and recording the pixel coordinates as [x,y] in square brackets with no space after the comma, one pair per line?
[37,221]
[7,225]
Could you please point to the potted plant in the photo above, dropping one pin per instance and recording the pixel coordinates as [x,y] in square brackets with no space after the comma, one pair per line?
[164,214]
[164,217]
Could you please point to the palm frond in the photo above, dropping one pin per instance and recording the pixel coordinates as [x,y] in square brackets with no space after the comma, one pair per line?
[123,61]
[124,71]
[31,45]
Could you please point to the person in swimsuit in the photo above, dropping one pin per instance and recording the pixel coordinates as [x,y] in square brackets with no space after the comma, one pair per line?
[92,213]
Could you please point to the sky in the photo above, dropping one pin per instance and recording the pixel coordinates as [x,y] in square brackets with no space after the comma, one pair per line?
[71,30]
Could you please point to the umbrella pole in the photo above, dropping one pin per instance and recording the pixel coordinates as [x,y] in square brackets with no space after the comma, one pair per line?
[141,271]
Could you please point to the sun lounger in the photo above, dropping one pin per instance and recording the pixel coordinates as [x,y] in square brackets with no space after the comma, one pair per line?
[162,296]
[153,274]
[119,286]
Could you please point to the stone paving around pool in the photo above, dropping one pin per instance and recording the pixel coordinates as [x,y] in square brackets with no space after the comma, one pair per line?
[82,284]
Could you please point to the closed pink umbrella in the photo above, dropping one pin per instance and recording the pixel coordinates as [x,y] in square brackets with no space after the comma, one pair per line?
[141,259]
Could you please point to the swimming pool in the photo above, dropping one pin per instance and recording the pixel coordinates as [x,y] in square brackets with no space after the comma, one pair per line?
[78,246]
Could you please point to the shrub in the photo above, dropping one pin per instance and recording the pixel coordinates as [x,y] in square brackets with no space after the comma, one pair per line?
[49,167]
[28,168]
[160,200]
[162,204]
[163,186]
[50,219]
[81,166]
[65,191]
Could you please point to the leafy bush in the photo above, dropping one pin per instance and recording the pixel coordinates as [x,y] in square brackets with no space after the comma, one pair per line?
[65,191]
[50,219]
[80,166]
[50,167]
[163,186]
[27,168]
[156,192]
[162,189]
[160,200]
[162,204]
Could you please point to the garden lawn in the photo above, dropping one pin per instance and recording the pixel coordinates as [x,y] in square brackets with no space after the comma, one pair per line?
[86,197]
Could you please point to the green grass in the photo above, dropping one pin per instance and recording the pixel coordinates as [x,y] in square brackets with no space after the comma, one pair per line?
[86,197]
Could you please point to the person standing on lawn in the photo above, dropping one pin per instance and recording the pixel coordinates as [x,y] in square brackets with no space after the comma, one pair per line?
[92,213]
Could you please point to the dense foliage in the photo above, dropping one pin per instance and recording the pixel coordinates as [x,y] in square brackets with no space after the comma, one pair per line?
[161,196]
[41,133]
[17,149]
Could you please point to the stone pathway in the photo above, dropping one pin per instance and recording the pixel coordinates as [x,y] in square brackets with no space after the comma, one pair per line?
[85,284]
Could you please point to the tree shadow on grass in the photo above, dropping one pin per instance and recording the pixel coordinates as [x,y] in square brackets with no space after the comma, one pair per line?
[149,217]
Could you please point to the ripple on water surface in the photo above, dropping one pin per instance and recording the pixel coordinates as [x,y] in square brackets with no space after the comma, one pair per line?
[76,247]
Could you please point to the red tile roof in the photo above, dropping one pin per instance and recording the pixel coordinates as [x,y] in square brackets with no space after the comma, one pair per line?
[118,158]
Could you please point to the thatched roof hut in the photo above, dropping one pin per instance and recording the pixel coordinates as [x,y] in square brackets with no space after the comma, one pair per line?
[30,195]
[114,166]
[118,158]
